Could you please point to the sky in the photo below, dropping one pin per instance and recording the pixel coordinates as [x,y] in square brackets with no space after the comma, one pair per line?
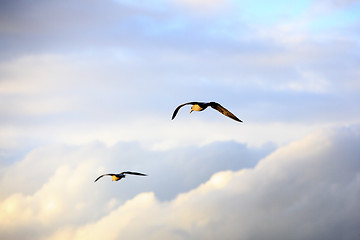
[89,87]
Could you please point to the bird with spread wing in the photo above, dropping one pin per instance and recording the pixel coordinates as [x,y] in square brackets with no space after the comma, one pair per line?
[118,176]
[200,106]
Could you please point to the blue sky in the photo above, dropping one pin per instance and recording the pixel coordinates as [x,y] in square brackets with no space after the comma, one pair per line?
[89,87]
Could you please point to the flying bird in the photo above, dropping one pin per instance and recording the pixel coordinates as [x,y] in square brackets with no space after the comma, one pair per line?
[200,106]
[118,176]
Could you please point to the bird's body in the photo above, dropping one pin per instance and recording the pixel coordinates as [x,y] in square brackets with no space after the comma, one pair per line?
[118,176]
[200,106]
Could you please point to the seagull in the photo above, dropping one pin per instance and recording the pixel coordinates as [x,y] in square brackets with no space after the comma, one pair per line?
[117,177]
[200,106]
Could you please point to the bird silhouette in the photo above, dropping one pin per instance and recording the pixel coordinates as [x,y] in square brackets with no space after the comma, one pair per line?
[118,176]
[200,106]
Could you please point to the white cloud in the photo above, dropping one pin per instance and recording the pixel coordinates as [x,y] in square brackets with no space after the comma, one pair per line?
[308,189]
[105,77]
[302,191]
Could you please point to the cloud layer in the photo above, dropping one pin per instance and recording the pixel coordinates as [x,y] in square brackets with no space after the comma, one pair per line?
[114,71]
[306,190]
[89,87]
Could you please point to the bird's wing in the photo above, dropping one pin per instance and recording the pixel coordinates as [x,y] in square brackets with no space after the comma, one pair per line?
[110,174]
[177,109]
[224,111]
[134,173]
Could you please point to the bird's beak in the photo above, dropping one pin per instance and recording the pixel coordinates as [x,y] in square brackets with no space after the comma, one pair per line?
[191,110]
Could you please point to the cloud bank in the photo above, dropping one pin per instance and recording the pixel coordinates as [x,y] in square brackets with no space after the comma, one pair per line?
[308,189]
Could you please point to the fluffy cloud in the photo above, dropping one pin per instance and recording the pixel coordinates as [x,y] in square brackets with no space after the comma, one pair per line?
[308,189]
[43,163]
[104,78]
[38,192]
